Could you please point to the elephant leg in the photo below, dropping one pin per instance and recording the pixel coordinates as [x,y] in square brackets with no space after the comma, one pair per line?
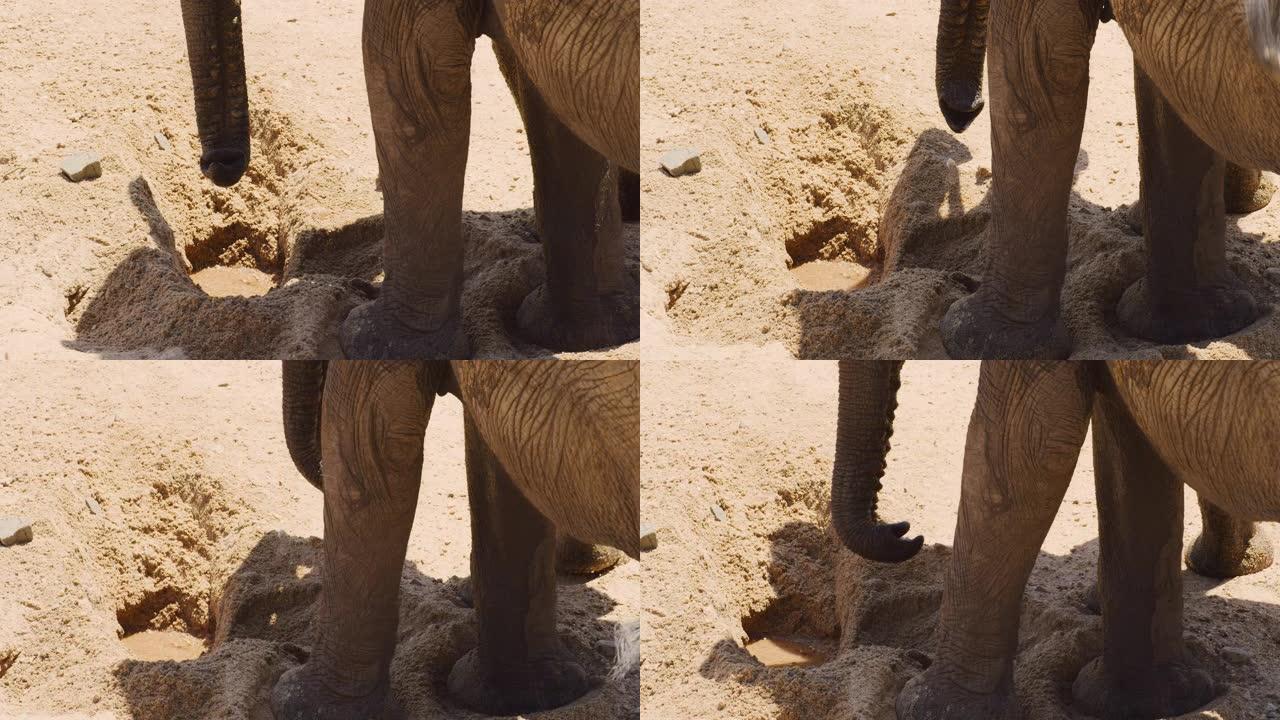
[1188,292]
[629,195]
[1142,672]
[1024,437]
[374,418]
[417,71]
[1246,190]
[1228,547]
[518,665]
[1039,68]
[574,557]
[587,300]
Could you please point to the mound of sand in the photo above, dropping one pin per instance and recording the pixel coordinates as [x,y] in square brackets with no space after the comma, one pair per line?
[170,523]
[753,435]
[862,218]
[151,260]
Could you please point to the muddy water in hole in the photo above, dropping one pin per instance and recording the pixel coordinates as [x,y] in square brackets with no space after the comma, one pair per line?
[779,651]
[219,281]
[163,645]
[831,275]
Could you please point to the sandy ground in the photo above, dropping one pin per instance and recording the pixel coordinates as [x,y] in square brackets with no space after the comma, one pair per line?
[103,266]
[753,432]
[860,170]
[202,528]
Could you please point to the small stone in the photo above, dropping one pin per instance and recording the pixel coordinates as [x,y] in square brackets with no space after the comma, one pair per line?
[163,142]
[718,513]
[93,506]
[1236,655]
[14,531]
[82,166]
[762,136]
[648,537]
[681,161]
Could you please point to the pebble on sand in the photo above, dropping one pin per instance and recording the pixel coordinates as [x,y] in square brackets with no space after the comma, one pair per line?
[681,161]
[163,142]
[762,136]
[1236,655]
[648,537]
[718,513]
[93,506]
[82,166]
[14,531]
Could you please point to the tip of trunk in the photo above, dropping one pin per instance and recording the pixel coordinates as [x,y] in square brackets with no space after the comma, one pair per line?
[883,542]
[960,116]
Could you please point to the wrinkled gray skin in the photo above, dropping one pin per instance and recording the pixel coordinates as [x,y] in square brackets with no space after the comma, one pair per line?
[574,71]
[1156,425]
[550,447]
[1207,93]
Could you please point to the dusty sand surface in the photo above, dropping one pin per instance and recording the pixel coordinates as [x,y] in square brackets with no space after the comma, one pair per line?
[753,433]
[102,266]
[860,168]
[201,527]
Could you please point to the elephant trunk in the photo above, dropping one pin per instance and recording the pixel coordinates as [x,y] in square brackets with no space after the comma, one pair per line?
[961,52]
[303,392]
[216,52]
[868,399]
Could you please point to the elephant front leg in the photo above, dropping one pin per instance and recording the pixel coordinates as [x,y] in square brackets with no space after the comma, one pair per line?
[588,300]
[374,418]
[1228,547]
[518,665]
[1024,438]
[1143,672]
[417,71]
[1188,292]
[1039,59]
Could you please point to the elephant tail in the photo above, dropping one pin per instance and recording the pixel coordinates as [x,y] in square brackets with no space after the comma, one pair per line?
[961,54]
[868,400]
[303,391]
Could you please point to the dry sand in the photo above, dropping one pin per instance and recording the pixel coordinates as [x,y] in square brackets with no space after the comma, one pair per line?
[860,168]
[207,532]
[102,266]
[753,433]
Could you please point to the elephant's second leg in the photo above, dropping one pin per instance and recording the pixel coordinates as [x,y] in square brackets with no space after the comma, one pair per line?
[418,73]
[519,665]
[588,299]
[1142,672]
[1024,438]
[1188,292]
[1228,547]
[1039,68]
[375,415]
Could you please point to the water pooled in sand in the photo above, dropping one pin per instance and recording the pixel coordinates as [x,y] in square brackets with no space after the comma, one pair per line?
[777,651]
[220,281]
[831,275]
[154,645]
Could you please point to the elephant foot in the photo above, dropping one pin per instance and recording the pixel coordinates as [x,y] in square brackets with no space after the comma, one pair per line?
[371,332]
[930,696]
[1213,556]
[607,321]
[300,695]
[1246,190]
[1196,314]
[973,328]
[1165,691]
[575,558]
[540,684]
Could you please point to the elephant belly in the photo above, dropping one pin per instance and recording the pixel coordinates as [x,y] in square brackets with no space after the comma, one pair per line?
[1216,424]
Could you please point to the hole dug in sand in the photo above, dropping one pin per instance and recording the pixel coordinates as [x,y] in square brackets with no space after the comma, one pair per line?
[168,622]
[241,258]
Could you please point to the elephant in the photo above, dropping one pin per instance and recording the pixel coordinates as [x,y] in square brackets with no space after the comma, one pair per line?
[1156,425]
[1207,77]
[573,69]
[551,447]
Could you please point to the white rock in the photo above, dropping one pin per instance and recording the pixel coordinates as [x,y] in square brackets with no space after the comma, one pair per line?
[718,513]
[82,166]
[163,142]
[14,531]
[681,161]
[93,506]
[762,136]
